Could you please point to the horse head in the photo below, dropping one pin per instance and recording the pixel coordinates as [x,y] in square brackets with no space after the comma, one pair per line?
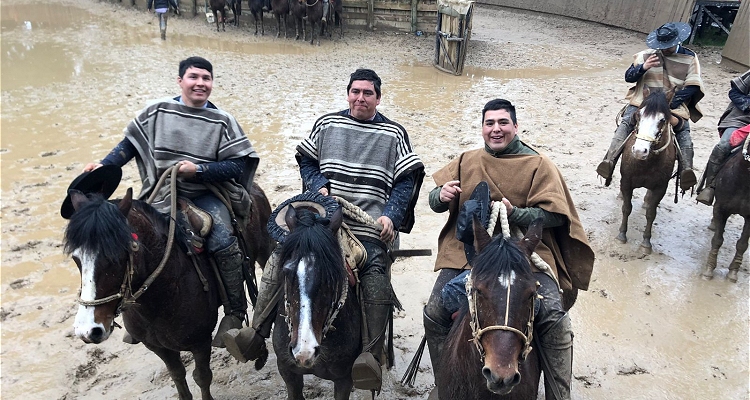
[101,243]
[314,278]
[652,123]
[502,290]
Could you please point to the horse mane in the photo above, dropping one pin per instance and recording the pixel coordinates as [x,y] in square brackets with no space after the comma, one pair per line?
[500,257]
[655,103]
[312,238]
[100,228]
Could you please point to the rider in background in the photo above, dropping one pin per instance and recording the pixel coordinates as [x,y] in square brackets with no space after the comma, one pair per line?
[160,8]
[735,116]
[666,65]
[210,147]
[530,186]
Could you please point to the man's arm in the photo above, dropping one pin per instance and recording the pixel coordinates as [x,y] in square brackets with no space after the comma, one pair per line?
[309,169]
[435,203]
[526,215]
[634,73]
[683,95]
[739,99]
[121,154]
[220,171]
[398,202]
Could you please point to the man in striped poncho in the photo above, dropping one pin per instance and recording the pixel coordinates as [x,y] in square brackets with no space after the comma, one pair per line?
[665,65]
[363,157]
[210,147]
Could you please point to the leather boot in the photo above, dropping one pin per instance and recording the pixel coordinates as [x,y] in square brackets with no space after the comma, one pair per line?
[436,334]
[325,11]
[606,168]
[687,176]
[557,347]
[706,195]
[377,297]
[250,343]
[229,261]
[163,25]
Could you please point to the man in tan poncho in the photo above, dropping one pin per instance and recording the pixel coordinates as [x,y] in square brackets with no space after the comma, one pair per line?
[530,186]
[665,65]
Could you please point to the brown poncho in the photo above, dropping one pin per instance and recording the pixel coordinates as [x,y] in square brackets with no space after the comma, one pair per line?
[527,181]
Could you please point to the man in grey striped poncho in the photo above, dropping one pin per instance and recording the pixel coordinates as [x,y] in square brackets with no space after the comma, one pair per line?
[209,146]
[363,157]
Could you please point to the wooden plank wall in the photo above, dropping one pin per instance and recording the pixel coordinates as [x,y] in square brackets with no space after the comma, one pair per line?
[389,15]
[736,52]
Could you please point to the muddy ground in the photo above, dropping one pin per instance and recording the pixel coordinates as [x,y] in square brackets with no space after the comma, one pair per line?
[74,73]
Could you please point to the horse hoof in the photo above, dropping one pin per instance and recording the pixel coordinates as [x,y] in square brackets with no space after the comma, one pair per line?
[622,238]
[645,250]
[707,276]
[732,276]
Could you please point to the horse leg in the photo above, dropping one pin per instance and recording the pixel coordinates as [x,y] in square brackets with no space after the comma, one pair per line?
[653,204]
[216,18]
[202,374]
[294,384]
[716,242]
[627,207]
[176,369]
[742,245]
[312,32]
[342,388]
[278,25]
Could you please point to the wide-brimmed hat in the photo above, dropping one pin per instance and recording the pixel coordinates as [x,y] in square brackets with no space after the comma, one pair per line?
[102,180]
[668,35]
[324,206]
[478,205]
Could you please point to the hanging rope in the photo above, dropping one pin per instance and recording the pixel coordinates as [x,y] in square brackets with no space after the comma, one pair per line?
[357,214]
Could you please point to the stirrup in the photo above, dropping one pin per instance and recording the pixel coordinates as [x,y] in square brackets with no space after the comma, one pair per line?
[366,373]
[604,169]
[687,179]
[244,346]
[228,322]
[706,196]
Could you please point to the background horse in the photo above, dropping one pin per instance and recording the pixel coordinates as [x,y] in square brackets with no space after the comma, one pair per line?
[298,9]
[236,7]
[315,16]
[256,8]
[117,246]
[320,333]
[487,354]
[280,9]
[649,164]
[732,191]
[216,7]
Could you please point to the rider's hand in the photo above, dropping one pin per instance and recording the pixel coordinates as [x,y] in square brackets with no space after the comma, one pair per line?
[651,61]
[449,191]
[387,234]
[508,206]
[91,166]
[187,169]
[323,191]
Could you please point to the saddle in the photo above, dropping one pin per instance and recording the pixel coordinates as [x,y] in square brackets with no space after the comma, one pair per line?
[353,250]
[195,223]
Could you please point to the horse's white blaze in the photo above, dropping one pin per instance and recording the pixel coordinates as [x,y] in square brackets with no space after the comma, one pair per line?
[85,322]
[507,280]
[304,350]
[648,129]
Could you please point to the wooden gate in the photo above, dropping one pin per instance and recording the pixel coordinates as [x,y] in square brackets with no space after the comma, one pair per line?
[452,34]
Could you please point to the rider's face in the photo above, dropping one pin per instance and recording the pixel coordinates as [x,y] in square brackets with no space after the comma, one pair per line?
[498,129]
[363,100]
[196,86]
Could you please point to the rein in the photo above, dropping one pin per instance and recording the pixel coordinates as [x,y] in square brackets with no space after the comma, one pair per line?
[126,295]
[310,5]
[667,129]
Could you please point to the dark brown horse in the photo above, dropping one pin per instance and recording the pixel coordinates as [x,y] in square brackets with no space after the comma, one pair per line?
[217,6]
[298,9]
[320,333]
[488,353]
[648,161]
[256,8]
[280,11]
[118,247]
[315,16]
[732,194]
[236,7]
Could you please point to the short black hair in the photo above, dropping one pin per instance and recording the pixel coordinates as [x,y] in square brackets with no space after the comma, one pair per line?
[363,74]
[500,104]
[197,62]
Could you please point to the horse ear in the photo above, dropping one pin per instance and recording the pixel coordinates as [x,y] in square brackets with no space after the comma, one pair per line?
[533,236]
[291,217]
[77,198]
[646,91]
[126,202]
[336,219]
[481,237]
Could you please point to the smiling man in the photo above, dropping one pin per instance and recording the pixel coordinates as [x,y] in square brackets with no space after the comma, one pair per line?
[530,186]
[210,147]
[363,157]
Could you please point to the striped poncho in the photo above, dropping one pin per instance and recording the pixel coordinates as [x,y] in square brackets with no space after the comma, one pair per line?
[362,160]
[681,70]
[168,131]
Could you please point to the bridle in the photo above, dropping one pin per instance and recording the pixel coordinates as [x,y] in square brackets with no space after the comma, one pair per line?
[477,331]
[332,312]
[666,129]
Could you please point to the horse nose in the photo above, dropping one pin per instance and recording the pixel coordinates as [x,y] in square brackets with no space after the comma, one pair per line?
[96,335]
[305,358]
[498,384]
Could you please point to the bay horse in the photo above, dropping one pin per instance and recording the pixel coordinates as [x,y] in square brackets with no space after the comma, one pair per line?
[315,16]
[649,164]
[218,6]
[488,352]
[280,9]
[732,191]
[256,8]
[320,333]
[298,9]
[118,245]
[236,7]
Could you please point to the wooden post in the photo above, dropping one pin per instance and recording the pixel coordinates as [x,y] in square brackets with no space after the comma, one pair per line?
[370,14]
[414,4]
[195,8]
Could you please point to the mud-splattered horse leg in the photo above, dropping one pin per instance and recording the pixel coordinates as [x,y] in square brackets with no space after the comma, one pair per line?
[176,369]
[654,198]
[741,248]
[627,208]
